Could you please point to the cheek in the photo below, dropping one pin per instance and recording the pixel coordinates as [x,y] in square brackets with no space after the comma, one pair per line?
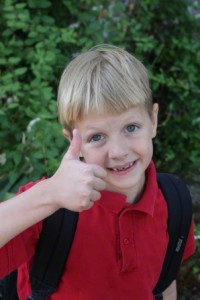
[148,150]
[93,156]
[143,147]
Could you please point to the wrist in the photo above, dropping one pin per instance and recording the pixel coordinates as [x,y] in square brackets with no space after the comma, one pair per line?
[46,194]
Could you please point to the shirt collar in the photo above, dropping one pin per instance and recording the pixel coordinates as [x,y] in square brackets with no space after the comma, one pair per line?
[115,202]
[148,199]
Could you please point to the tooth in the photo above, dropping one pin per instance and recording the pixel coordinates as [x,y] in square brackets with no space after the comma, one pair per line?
[120,169]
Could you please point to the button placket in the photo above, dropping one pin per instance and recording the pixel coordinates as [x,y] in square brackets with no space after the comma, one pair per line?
[127,246]
[126,241]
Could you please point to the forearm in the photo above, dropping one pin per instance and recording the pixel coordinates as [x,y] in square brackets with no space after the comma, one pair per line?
[171,292]
[23,211]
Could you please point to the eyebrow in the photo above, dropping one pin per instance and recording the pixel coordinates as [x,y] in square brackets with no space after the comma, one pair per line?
[93,128]
[126,120]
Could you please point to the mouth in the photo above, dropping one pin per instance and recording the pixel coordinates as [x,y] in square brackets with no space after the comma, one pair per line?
[123,168]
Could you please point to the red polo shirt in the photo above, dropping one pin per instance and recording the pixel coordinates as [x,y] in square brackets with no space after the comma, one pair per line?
[117,252]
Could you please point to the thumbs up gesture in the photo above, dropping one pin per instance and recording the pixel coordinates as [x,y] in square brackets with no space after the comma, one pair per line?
[75,146]
[76,185]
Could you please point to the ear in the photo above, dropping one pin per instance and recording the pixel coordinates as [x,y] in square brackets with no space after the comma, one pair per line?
[155,110]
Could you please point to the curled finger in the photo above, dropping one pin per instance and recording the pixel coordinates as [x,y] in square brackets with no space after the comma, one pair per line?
[99,184]
[95,195]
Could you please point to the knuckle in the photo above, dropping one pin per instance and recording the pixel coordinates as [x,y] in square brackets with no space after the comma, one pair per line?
[84,203]
[87,170]
[103,185]
[86,195]
[88,180]
[85,200]
[100,185]
[97,196]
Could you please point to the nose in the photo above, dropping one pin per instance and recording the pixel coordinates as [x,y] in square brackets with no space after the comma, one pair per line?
[117,149]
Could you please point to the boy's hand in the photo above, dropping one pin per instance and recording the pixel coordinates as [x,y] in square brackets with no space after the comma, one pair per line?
[76,185]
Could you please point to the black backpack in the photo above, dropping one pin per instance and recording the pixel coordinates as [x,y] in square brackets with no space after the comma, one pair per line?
[48,266]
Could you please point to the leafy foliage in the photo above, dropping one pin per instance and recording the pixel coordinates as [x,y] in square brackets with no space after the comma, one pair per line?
[38,38]
[189,277]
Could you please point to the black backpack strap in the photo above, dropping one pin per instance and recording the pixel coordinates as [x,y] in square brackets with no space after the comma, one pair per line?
[8,287]
[52,252]
[179,204]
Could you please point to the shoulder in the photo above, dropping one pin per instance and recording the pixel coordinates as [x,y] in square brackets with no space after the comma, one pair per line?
[190,244]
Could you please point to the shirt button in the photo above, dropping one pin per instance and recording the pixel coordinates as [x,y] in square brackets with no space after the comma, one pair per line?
[126,241]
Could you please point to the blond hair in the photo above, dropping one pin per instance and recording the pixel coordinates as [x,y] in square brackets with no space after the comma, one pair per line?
[104,79]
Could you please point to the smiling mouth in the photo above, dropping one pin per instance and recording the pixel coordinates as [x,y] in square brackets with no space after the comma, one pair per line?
[120,169]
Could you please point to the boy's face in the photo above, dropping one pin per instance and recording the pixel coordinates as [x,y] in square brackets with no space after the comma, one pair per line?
[122,144]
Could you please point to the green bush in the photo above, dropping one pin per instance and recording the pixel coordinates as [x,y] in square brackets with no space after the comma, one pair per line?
[189,276]
[38,38]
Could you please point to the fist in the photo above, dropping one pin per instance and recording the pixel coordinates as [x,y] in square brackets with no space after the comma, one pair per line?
[76,185]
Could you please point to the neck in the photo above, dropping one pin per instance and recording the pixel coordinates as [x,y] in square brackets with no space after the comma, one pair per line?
[134,194]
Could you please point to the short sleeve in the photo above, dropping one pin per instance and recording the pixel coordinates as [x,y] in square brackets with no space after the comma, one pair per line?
[190,244]
[22,247]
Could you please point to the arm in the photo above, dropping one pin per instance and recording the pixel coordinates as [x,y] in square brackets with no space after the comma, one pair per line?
[24,210]
[171,292]
[74,186]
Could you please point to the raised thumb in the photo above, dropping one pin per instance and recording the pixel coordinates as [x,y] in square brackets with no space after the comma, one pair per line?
[75,146]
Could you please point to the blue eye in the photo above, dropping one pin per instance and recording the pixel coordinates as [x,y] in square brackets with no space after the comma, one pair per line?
[96,138]
[131,128]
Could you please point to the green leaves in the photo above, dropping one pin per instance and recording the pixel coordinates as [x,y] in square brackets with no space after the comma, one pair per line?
[38,38]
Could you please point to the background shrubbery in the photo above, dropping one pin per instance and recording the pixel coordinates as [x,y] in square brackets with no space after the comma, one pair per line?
[39,37]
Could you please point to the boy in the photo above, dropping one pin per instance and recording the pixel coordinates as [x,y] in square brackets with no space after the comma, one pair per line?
[106,109]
